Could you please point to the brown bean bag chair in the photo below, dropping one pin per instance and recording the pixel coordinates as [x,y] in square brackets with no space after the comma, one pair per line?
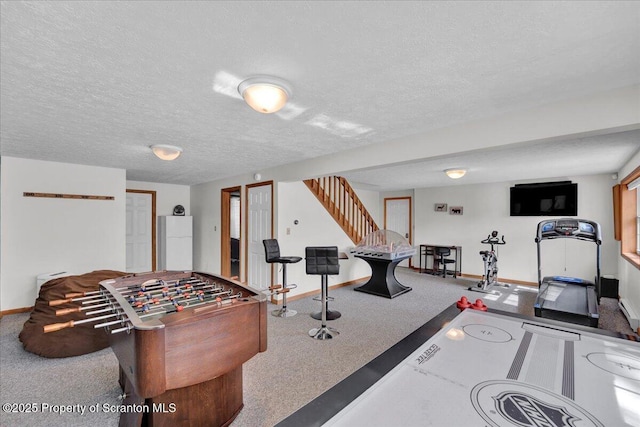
[80,339]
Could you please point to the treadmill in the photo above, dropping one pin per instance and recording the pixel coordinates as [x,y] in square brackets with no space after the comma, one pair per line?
[569,299]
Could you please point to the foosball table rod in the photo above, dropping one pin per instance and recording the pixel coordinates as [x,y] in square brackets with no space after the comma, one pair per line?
[167,293]
[154,284]
[71,323]
[86,297]
[92,299]
[212,304]
[63,311]
[80,296]
[174,301]
[111,323]
[85,300]
[160,290]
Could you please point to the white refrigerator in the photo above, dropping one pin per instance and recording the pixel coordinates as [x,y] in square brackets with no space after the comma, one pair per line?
[175,243]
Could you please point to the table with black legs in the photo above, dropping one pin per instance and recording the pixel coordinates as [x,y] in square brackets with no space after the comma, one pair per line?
[427,252]
[383,280]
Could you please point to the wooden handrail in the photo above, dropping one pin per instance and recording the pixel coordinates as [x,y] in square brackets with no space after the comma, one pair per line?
[344,206]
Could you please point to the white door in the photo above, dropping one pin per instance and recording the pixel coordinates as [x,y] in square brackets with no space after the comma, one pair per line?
[139,232]
[259,228]
[397,217]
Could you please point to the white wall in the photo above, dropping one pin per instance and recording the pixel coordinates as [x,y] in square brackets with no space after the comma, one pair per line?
[167,195]
[315,228]
[486,208]
[205,208]
[44,235]
[628,274]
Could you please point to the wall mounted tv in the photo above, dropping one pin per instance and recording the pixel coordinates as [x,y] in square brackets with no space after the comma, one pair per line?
[544,199]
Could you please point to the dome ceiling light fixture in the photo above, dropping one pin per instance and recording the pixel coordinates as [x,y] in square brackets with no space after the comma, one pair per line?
[265,94]
[166,152]
[455,173]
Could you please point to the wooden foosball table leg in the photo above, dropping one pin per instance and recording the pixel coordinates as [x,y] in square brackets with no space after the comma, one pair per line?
[212,403]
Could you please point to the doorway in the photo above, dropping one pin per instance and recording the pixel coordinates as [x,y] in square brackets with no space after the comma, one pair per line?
[397,217]
[259,225]
[140,231]
[230,233]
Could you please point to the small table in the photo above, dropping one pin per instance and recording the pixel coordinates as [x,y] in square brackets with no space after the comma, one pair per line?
[383,281]
[428,251]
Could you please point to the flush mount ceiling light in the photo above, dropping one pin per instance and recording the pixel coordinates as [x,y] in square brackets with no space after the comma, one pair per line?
[455,173]
[265,94]
[166,152]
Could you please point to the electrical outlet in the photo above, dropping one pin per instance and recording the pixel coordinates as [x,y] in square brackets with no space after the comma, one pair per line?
[288,231]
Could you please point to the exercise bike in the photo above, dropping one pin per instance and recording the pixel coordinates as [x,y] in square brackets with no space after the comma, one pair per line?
[490,259]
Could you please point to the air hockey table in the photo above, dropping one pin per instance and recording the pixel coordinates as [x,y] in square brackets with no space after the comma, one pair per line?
[489,369]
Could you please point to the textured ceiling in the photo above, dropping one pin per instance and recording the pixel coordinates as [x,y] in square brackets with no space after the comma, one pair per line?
[96,83]
[551,160]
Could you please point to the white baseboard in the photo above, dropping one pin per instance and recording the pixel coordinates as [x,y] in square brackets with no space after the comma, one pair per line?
[629,313]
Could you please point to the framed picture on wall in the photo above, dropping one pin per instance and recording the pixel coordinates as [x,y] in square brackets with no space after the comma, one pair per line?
[440,207]
[455,210]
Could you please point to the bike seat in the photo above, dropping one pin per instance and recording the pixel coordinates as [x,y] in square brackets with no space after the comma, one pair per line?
[484,252]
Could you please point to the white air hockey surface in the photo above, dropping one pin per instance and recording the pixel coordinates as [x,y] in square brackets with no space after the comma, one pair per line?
[485,369]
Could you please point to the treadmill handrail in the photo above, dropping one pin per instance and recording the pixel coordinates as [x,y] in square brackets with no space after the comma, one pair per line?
[596,237]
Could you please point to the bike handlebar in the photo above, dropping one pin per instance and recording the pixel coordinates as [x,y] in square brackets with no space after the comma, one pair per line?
[492,239]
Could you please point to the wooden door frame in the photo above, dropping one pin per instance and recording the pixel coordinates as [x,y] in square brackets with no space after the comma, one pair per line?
[410,219]
[225,228]
[246,225]
[153,223]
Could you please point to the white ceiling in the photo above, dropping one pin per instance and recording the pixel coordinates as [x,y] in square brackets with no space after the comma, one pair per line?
[521,162]
[97,83]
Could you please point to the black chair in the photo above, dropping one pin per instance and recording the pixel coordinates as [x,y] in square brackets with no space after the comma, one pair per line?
[272,256]
[322,261]
[440,253]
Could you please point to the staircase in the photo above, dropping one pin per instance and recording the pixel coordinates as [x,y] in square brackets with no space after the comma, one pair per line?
[343,204]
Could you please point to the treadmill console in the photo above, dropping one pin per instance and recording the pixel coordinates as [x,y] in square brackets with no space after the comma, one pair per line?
[569,227]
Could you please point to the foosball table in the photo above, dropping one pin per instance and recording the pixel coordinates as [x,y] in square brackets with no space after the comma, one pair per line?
[180,338]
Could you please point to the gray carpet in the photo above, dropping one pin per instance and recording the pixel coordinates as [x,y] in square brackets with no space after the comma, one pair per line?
[294,369]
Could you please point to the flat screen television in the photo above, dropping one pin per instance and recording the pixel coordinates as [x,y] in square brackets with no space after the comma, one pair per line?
[544,199]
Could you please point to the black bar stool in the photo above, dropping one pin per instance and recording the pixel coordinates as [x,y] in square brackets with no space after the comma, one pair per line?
[272,255]
[322,261]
